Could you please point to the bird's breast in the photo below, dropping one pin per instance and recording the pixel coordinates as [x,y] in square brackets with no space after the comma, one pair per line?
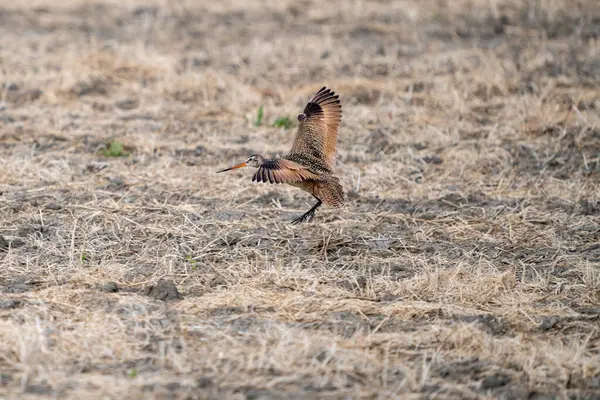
[307,186]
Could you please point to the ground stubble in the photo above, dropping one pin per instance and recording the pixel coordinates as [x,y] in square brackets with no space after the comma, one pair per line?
[466,262]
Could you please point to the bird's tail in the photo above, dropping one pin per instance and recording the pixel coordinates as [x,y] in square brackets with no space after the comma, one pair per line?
[331,192]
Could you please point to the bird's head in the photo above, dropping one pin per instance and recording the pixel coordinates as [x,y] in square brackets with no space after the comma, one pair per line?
[255,160]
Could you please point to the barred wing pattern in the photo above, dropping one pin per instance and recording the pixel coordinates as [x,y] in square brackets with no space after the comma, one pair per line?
[282,171]
[317,133]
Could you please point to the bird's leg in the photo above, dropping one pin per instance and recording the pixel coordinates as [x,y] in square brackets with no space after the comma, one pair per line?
[307,216]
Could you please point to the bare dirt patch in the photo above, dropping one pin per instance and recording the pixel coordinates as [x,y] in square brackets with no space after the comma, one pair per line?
[466,263]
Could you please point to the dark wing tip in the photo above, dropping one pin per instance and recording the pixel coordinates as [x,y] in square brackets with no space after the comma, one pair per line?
[269,172]
[324,95]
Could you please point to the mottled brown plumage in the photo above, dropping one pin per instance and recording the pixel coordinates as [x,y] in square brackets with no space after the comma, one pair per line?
[310,164]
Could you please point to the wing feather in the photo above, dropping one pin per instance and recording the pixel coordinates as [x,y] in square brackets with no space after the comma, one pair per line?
[271,176]
[317,133]
[282,171]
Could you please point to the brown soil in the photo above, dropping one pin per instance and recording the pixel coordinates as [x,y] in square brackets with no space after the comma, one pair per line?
[466,263]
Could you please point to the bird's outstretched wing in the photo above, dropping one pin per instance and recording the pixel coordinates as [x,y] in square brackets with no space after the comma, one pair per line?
[317,132]
[282,171]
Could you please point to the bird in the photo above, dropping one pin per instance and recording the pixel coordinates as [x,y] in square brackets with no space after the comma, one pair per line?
[310,163]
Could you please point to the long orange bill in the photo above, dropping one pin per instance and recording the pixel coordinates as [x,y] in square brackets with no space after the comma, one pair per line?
[234,167]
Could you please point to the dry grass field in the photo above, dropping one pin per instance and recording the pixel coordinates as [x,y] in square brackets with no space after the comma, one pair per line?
[465,264]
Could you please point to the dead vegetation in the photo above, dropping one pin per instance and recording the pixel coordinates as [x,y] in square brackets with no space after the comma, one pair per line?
[465,265]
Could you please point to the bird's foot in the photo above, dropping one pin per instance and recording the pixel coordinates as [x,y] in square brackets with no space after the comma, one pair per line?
[306,217]
[309,215]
